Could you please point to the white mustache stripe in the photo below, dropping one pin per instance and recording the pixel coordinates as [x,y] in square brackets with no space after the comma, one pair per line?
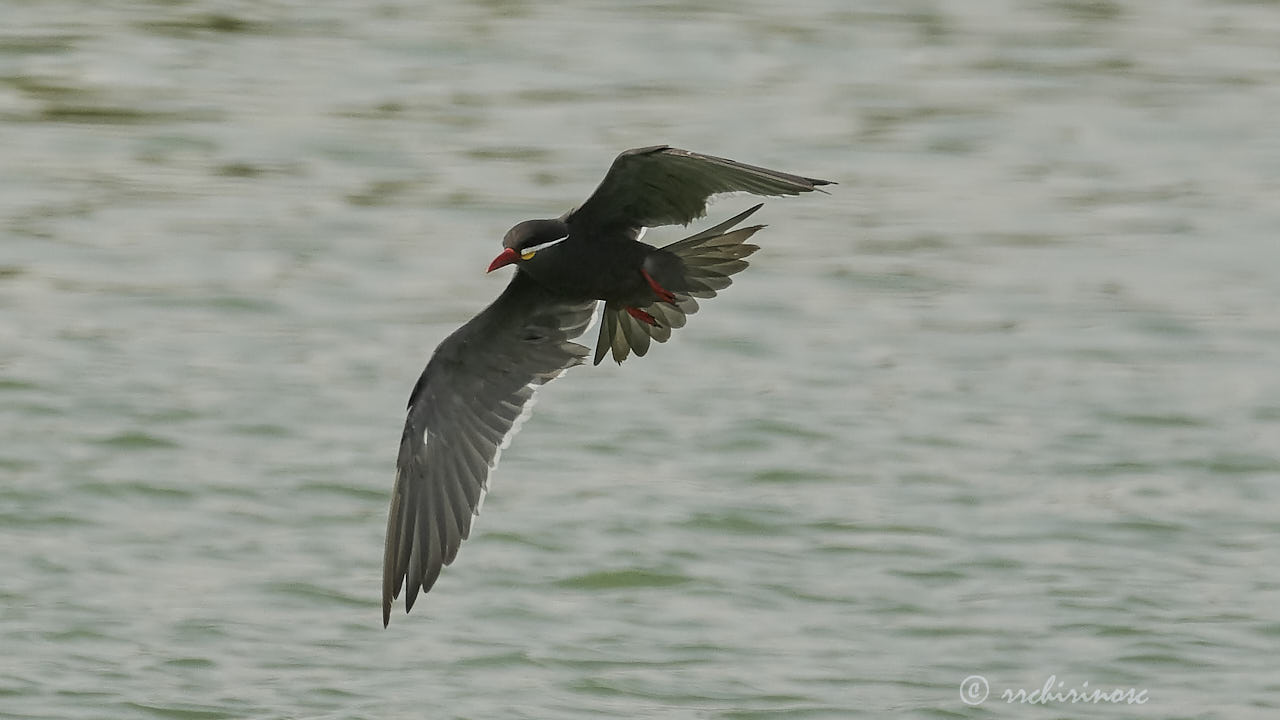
[543,246]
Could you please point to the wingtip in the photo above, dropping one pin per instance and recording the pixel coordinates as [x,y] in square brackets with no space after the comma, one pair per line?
[817,184]
[647,150]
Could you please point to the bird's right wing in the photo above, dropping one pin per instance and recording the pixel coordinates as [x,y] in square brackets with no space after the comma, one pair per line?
[469,401]
[662,185]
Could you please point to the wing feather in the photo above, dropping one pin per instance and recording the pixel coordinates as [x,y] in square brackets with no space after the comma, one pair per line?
[662,185]
[469,401]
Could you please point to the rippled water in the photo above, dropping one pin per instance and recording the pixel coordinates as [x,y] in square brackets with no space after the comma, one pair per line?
[1005,403]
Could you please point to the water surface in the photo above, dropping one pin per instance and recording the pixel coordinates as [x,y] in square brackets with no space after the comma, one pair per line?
[1005,403]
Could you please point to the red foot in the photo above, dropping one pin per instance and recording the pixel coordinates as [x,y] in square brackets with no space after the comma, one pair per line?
[663,294]
[642,316]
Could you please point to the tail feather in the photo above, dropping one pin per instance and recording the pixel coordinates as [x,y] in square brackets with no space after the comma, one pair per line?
[635,337]
[710,258]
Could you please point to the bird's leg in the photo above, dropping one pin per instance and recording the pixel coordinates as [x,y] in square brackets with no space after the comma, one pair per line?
[642,316]
[663,294]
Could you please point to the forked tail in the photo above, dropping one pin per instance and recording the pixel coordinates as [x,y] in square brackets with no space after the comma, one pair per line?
[709,258]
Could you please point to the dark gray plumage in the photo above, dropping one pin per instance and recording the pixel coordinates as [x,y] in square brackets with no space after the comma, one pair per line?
[480,382]
[706,260]
[464,409]
[661,185]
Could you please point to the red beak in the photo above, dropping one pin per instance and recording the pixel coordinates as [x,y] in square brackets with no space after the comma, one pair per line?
[507,257]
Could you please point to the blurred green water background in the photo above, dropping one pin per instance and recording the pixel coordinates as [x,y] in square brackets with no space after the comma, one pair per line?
[1005,403]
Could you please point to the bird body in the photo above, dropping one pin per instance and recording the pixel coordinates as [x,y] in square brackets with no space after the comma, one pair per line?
[479,384]
[599,267]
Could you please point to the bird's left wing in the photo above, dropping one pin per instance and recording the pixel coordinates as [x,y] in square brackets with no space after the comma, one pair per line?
[469,401]
[662,185]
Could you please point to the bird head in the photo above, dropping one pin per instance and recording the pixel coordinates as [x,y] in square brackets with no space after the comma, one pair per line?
[527,239]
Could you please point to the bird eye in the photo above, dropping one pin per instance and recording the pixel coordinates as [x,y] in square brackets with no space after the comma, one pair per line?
[527,254]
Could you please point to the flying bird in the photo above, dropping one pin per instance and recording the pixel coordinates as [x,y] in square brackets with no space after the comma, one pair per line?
[478,386]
